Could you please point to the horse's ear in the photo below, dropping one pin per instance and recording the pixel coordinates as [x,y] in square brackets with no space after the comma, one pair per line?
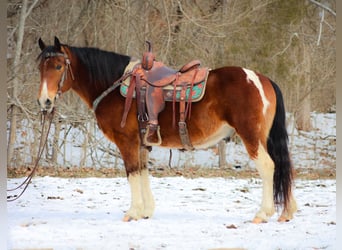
[57,44]
[42,45]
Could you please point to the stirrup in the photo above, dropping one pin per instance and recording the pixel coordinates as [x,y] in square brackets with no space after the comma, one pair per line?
[146,142]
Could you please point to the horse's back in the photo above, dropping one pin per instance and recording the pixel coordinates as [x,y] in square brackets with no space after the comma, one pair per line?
[237,77]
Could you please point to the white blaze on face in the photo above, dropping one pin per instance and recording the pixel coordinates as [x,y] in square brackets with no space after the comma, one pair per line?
[251,76]
[44,95]
[44,92]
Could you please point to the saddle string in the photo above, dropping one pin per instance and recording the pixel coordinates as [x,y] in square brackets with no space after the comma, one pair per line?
[41,147]
[128,100]
[174,102]
[188,107]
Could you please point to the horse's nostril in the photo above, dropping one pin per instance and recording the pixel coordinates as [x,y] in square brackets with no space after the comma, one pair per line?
[48,102]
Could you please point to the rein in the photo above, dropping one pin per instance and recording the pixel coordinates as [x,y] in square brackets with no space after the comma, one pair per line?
[42,145]
[116,84]
[45,116]
[127,73]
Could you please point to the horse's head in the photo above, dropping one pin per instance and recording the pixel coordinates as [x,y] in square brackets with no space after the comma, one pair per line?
[54,76]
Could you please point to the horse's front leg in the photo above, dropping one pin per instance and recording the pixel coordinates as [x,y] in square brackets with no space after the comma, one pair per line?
[145,184]
[136,210]
[142,202]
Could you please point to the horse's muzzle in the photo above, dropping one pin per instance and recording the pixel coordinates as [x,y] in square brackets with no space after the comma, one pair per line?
[46,104]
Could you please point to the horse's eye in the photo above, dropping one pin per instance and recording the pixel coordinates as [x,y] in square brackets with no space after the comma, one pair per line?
[58,67]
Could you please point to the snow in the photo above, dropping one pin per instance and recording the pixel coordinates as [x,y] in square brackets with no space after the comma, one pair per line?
[200,213]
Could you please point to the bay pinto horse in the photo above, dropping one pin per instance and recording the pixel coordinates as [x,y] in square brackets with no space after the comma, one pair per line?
[236,99]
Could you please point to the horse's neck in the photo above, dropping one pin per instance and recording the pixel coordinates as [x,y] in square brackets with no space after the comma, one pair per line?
[87,96]
[88,89]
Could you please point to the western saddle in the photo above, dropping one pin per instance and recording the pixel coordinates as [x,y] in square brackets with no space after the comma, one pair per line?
[152,83]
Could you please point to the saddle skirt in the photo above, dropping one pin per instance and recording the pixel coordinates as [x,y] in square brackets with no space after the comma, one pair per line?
[171,81]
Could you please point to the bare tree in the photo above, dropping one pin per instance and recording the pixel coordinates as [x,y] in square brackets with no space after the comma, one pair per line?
[14,109]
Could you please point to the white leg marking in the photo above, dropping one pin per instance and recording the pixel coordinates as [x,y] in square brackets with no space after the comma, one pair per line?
[265,167]
[287,214]
[147,194]
[137,204]
[251,76]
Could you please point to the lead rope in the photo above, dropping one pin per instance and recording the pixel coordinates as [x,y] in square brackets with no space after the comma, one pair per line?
[42,145]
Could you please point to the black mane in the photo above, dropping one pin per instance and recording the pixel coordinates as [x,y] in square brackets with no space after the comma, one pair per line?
[103,67]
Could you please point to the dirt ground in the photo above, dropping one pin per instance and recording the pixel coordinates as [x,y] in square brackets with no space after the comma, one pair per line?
[191,172]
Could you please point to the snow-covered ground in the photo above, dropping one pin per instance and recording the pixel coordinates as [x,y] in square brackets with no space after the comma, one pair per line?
[201,213]
[58,213]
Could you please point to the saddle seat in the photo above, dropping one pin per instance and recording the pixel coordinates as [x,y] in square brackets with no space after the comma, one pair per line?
[160,75]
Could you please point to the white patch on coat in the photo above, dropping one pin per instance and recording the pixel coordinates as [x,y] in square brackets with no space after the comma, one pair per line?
[251,76]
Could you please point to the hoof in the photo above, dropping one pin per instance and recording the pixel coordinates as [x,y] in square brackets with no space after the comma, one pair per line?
[258,220]
[283,219]
[127,218]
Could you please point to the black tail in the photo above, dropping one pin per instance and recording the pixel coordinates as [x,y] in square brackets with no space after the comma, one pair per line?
[277,147]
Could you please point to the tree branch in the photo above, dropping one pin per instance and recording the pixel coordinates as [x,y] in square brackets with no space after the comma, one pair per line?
[28,12]
[320,28]
[324,7]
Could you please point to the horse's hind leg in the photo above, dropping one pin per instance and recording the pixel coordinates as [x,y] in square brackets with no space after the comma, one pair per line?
[265,167]
[287,213]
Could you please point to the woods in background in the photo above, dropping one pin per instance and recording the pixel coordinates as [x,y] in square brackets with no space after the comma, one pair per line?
[292,42]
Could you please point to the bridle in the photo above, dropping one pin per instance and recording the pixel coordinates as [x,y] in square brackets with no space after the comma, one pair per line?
[65,72]
[43,138]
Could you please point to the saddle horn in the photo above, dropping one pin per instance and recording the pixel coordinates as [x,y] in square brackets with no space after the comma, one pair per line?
[148,57]
[149,46]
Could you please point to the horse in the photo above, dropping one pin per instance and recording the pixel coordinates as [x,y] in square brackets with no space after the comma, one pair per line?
[236,100]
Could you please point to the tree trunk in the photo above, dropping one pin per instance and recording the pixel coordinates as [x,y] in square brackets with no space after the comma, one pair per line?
[55,144]
[14,108]
[222,154]
[303,121]
[87,133]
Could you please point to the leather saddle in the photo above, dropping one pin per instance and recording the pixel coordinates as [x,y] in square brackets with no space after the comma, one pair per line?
[152,83]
